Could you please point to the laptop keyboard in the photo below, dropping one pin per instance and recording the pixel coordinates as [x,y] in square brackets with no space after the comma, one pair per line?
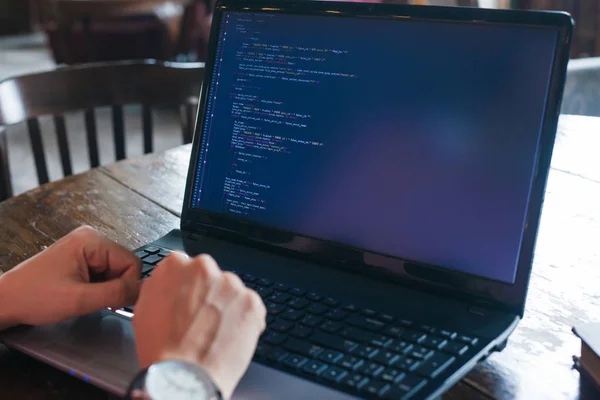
[357,350]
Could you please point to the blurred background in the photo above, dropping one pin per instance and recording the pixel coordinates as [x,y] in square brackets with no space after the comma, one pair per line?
[42,35]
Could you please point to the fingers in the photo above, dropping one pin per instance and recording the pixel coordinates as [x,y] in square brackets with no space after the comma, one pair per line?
[115,293]
[103,256]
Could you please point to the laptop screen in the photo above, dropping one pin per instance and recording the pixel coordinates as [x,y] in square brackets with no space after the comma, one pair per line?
[414,139]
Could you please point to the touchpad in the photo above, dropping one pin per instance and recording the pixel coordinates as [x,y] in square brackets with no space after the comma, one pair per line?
[109,340]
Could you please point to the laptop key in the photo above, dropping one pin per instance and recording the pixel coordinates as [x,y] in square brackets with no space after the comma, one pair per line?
[405,323]
[151,249]
[385,357]
[351,308]
[370,369]
[331,326]
[270,319]
[435,365]
[297,292]
[298,303]
[317,309]
[434,342]
[399,346]
[312,321]
[163,253]
[281,326]
[354,381]
[425,328]
[277,355]
[331,356]
[374,388]
[274,338]
[386,318]
[328,301]
[147,267]
[141,254]
[292,315]
[420,352]
[455,348]
[367,312]
[152,259]
[467,339]
[336,314]
[380,341]
[444,333]
[300,331]
[274,308]
[313,297]
[365,322]
[406,364]
[364,351]
[279,297]
[314,367]
[263,291]
[394,331]
[332,341]
[350,362]
[357,334]
[295,361]
[304,348]
[281,287]
[405,389]
[248,277]
[413,336]
[264,282]
[390,375]
[333,374]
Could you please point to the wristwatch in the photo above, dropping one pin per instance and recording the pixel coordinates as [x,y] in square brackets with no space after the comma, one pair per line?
[173,380]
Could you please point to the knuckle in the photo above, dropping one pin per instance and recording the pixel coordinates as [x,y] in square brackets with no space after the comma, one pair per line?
[253,303]
[83,232]
[204,266]
[174,263]
[206,258]
[231,282]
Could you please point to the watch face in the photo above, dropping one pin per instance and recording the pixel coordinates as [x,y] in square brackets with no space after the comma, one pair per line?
[178,381]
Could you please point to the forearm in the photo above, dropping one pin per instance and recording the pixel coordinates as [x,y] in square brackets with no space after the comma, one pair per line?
[8,305]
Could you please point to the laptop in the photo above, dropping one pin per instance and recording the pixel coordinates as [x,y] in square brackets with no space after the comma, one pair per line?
[376,172]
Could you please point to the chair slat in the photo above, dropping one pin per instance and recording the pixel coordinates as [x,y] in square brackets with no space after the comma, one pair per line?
[118,131]
[37,146]
[188,119]
[5,181]
[147,127]
[63,145]
[185,129]
[92,137]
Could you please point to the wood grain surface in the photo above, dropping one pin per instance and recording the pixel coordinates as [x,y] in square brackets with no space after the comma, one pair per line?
[159,177]
[136,201]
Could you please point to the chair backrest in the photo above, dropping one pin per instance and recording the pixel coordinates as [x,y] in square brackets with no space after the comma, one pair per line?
[84,87]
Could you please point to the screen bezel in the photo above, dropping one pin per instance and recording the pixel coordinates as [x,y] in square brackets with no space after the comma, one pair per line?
[510,297]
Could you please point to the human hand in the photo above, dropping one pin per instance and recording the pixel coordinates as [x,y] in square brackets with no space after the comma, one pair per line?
[192,311]
[81,273]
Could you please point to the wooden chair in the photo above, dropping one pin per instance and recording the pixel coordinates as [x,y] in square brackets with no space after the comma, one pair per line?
[86,86]
[106,30]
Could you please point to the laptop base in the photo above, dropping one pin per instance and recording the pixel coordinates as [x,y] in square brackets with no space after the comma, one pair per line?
[100,348]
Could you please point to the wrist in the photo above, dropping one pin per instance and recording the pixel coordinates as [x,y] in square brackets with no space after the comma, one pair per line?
[9,314]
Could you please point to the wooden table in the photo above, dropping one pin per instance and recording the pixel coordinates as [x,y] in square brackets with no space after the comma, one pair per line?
[137,201]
